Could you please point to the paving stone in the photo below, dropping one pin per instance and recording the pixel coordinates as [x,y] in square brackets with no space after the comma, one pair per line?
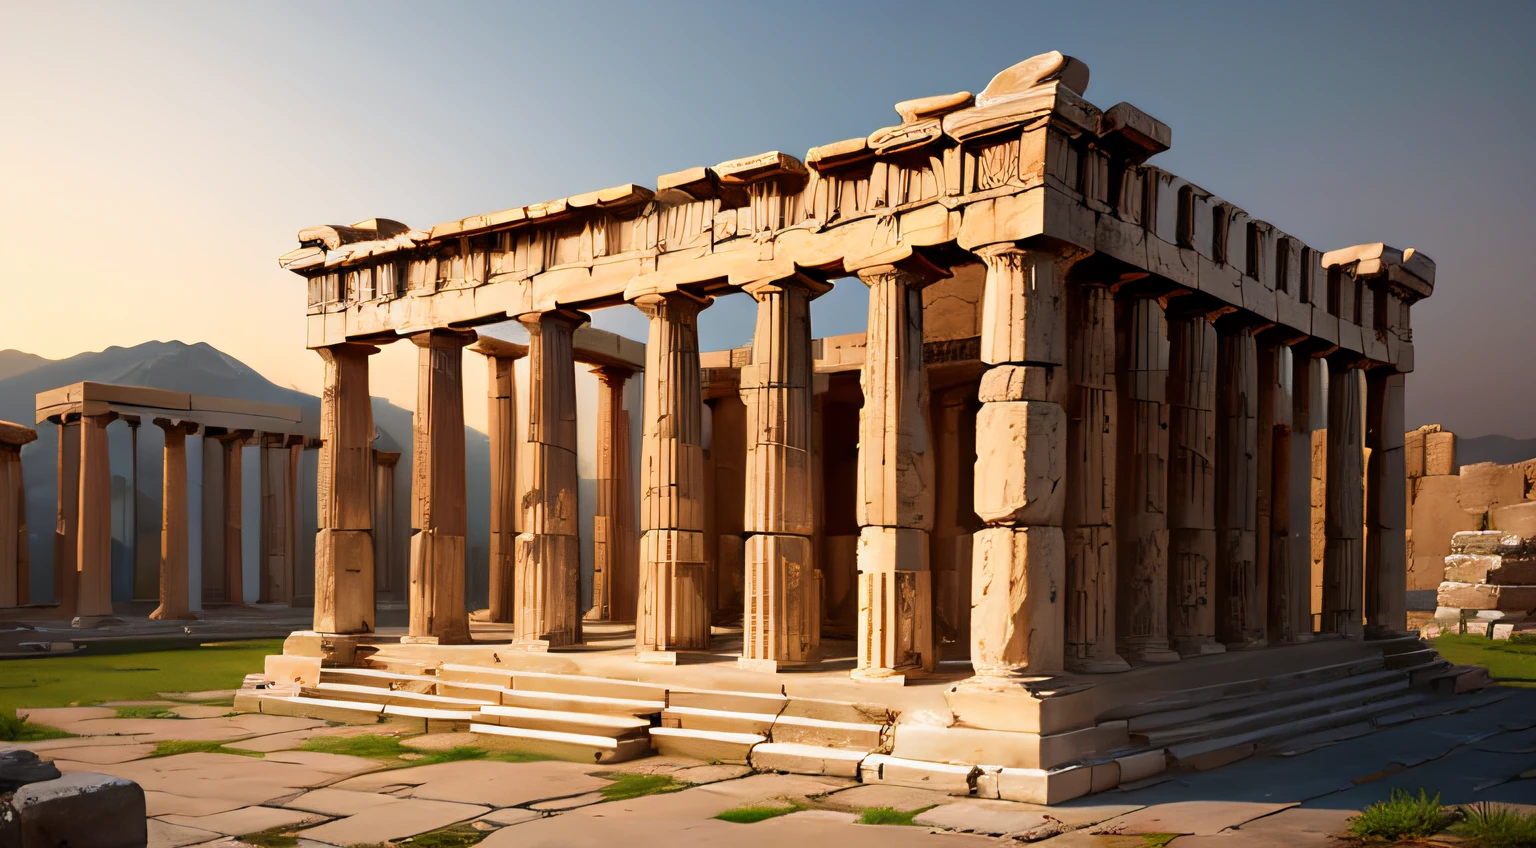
[104,754]
[206,695]
[228,776]
[167,804]
[685,770]
[509,816]
[485,782]
[194,729]
[575,831]
[395,821]
[166,835]
[886,795]
[328,763]
[340,802]
[71,742]
[61,716]
[979,816]
[779,785]
[1201,818]
[245,820]
[1301,821]
[200,711]
[571,803]
[444,741]
[827,816]
[296,738]
[1244,839]
[1087,839]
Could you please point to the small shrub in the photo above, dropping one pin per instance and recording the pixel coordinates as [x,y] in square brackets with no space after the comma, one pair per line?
[755,813]
[627,786]
[1488,825]
[199,746]
[1401,816]
[890,815]
[15,728]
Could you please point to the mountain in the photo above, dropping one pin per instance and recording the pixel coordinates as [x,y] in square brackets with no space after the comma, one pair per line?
[1501,449]
[202,369]
[13,362]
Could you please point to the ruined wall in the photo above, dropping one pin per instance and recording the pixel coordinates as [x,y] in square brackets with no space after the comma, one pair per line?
[1445,499]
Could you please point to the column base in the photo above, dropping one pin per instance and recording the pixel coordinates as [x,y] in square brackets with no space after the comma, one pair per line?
[1098,665]
[1375,632]
[653,657]
[1148,653]
[455,639]
[160,614]
[811,662]
[333,648]
[1198,646]
[886,676]
[91,622]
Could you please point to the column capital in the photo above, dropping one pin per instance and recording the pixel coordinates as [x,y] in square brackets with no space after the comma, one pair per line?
[653,302]
[613,375]
[169,425]
[494,348]
[906,267]
[1011,253]
[330,353]
[813,286]
[441,338]
[102,418]
[570,317]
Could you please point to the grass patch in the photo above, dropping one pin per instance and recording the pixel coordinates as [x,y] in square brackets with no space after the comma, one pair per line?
[891,815]
[130,670]
[1486,825]
[14,728]
[277,837]
[199,746]
[389,750]
[1159,840]
[1511,663]
[754,813]
[1401,816]
[627,786]
[145,711]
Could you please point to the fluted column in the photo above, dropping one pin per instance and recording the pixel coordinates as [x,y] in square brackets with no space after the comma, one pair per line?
[1344,503]
[66,534]
[1141,487]
[1287,621]
[93,551]
[278,534]
[613,573]
[501,427]
[1306,412]
[15,585]
[344,600]
[173,523]
[1089,516]
[1192,542]
[232,517]
[895,478]
[1386,509]
[548,560]
[389,580]
[673,612]
[1239,590]
[438,512]
[782,624]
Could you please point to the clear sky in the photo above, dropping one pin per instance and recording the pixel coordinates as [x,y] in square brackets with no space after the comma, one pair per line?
[156,158]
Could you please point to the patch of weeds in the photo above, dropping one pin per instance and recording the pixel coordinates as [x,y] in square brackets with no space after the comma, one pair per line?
[891,815]
[277,837]
[14,728]
[453,837]
[145,711]
[1401,816]
[1158,840]
[518,757]
[200,746]
[754,813]
[626,786]
[1486,825]
[388,750]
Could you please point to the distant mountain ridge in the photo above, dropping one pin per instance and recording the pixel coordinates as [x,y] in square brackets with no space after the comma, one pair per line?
[13,362]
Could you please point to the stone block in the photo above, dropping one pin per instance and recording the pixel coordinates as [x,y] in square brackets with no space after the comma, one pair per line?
[1413,453]
[1487,485]
[330,648]
[18,768]
[1439,453]
[1518,519]
[806,759]
[81,810]
[1502,632]
[1008,383]
[1018,608]
[1478,542]
[1020,463]
[892,549]
[895,771]
[1134,767]
[1035,786]
[1490,568]
[1485,596]
[283,670]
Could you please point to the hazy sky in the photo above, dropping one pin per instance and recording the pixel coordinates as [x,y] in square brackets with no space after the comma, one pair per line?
[155,159]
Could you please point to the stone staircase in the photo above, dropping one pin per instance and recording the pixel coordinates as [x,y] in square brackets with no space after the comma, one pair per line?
[579,717]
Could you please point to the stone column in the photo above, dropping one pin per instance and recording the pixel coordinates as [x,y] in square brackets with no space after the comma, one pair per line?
[93,551]
[66,533]
[1277,490]
[1192,482]
[173,523]
[344,601]
[387,578]
[1305,409]
[1089,515]
[547,560]
[1141,487]
[782,624]
[15,564]
[232,518]
[501,426]
[1386,508]
[1344,503]
[1239,586]
[673,612]
[277,531]
[953,416]
[438,512]
[612,582]
[895,478]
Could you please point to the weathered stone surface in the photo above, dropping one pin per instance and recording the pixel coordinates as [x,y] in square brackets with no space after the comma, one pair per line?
[1017,605]
[1021,463]
[895,600]
[284,670]
[1483,596]
[81,810]
[18,768]
[1519,519]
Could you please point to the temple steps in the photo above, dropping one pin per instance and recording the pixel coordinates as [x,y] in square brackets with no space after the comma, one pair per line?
[1217,751]
[587,724]
[400,697]
[1151,724]
[1206,695]
[721,721]
[569,746]
[708,745]
[570,703]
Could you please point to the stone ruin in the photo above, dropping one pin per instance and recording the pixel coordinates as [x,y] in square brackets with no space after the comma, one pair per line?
[1489,587]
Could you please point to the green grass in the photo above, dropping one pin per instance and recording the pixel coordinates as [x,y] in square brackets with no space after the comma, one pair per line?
[389,750]
[627,786]
[1510,663]
[754,813]
[891,815]
[1159,840]
[277,837]
[14,728]
[1496,826]
[1401,816]
[199,746]
[145,711]
[130,670]
[461,836]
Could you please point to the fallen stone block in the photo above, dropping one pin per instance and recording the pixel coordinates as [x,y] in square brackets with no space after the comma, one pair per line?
[18,768]
[81,810]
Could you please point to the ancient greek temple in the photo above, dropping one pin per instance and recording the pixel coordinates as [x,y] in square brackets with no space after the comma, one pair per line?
[1081,438]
